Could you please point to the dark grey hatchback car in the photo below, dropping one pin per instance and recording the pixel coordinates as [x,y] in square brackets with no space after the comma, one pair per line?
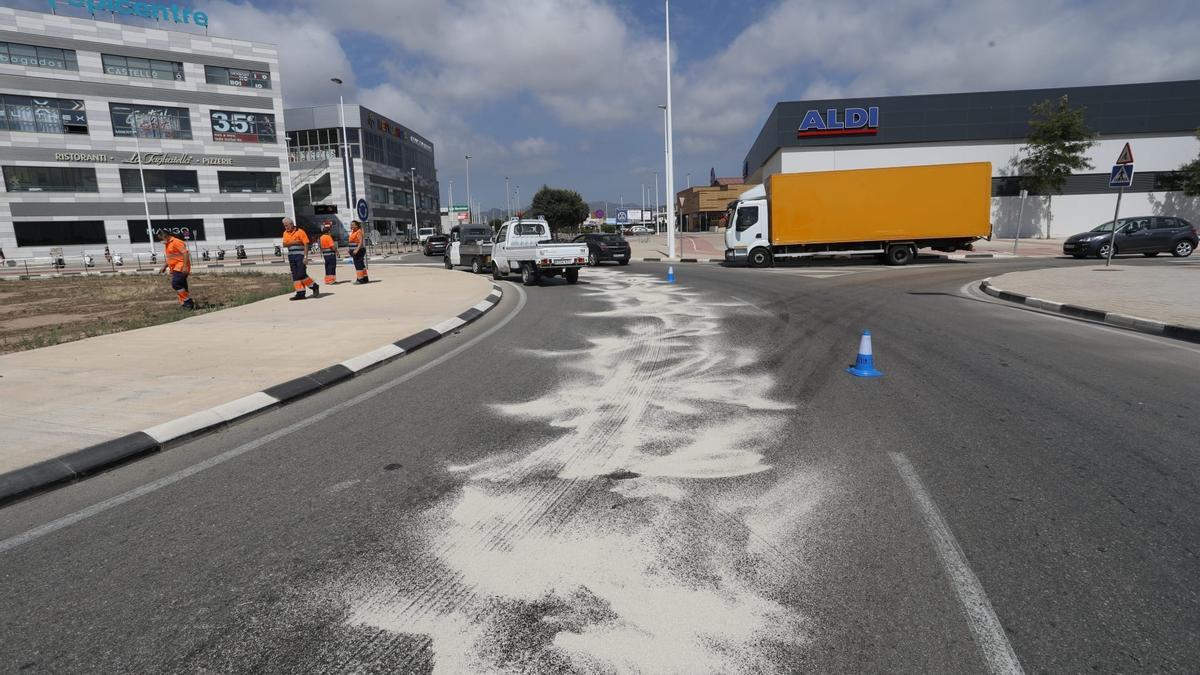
[1148,235]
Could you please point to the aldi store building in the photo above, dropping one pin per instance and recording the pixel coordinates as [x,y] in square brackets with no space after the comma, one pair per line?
[90,109]
[1159,120]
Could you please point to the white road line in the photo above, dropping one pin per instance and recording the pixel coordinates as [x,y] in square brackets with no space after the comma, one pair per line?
[112,502]
[985,626]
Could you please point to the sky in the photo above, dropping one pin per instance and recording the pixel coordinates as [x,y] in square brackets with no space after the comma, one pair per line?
[566,92]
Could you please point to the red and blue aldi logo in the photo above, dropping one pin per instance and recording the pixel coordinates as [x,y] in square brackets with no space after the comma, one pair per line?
[834,122]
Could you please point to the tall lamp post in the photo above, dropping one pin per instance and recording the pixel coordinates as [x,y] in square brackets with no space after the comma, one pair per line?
[518,200]
[137,140]
[656,202]
[670,147]
[416,224]
[508,198]
[345,147]
[469,219]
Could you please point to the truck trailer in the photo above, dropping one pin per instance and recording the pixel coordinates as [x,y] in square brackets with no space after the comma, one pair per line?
[889,213]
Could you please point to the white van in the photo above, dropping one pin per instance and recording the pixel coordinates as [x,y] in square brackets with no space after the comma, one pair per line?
[425,233]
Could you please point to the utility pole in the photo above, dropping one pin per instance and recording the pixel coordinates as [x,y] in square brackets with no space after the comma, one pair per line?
[469,220]
[508,198]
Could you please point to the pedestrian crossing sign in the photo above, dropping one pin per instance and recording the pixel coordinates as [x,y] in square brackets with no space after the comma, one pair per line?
[1121,177]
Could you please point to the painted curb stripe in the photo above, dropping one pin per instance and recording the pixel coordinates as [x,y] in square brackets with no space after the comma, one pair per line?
[651,259]
[470,315]
[448,325]
[109,453]
[27,481]
[372,358]
[414,342]
[1135,323]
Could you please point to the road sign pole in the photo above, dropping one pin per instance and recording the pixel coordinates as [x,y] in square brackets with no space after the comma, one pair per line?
[1020,215]
[1112,241]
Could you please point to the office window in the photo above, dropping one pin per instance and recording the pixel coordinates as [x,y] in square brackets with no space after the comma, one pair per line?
[41,57]
[239,127]
[148,121]
[249,181]
[49,179]
[60,233]
[42,115]
[236,77]
[379,195]
[253,228]
[188,229]
[157,180]
[153,69]
[400,198]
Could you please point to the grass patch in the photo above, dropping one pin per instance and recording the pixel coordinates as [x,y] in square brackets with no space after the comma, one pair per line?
[44,312]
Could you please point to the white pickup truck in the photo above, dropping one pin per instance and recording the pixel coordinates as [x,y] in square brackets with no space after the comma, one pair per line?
[526,246]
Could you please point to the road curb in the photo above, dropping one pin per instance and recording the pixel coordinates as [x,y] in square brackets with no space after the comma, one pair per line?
[79,464]
[1135,323]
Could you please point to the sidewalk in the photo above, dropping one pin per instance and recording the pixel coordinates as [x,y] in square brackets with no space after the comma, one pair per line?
[700,246]
[1162,299]
[63,398]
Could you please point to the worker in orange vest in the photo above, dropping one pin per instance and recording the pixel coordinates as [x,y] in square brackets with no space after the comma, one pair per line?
[358,251]
[329,252]
[295,242]
[179,262]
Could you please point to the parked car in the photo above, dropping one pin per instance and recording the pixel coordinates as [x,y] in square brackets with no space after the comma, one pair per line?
[1148,235]
[603,247]
[435,244]
[641,229]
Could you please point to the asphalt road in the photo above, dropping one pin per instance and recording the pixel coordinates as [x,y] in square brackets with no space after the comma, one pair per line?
[629,476]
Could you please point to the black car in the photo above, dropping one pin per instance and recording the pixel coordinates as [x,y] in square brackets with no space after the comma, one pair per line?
[1148,235]
[436,244]
[603,247]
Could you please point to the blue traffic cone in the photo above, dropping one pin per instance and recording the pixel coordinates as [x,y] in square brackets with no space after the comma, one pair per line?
[671,274]
[864,365]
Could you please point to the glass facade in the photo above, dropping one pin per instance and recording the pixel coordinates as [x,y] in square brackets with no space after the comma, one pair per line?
[236,77]
[42,115]
[147,121]
[249,181]
[253,228]
[188,229]
[153,69]
[60,232]
[159,180]
[40,57]
[49,179]
[317,144]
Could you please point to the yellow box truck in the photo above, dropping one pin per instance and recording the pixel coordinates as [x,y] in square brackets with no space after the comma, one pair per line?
[890,213]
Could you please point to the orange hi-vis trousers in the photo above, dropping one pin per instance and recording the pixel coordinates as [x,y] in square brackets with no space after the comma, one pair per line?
[300,278]
[180,286]
[330,268]
[360,264]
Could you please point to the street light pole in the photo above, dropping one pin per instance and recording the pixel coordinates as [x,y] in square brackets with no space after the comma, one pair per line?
[416,223]
[507,198]
[137,140]
[656,202]
[345,147]
[469,219]
[518,198]
[670,145]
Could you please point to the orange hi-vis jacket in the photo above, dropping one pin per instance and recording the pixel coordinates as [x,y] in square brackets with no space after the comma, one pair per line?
[355,239]
[177,257]
[327,244]
[296,242]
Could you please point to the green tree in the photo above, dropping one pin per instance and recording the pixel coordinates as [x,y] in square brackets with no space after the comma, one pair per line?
[563,209]
[495,224]
[1189,176]
[1056,148]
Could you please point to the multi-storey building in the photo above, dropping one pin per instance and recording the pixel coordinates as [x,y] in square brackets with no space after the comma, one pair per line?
[386,159]
[102,122]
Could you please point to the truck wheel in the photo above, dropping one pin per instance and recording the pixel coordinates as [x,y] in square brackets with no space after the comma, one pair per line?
[898,254]
[529,275]
[759,257]
[476,268]
[593,260]
[497,271]
[572,276]
[446,261]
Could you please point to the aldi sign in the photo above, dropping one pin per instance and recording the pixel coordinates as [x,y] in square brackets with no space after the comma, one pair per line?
[835,122]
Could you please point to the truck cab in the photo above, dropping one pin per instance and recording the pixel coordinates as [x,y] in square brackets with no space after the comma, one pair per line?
[747,227]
